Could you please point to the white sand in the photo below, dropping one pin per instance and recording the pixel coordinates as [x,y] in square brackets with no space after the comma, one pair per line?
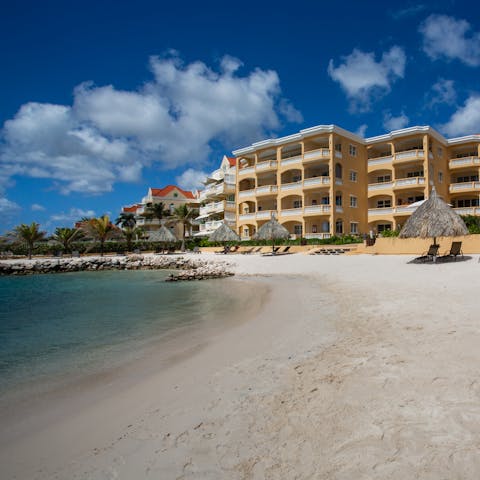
[356,367]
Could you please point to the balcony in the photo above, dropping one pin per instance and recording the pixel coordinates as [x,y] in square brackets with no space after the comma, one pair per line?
[247,170]
[374,187]
[229,217]
[409,182]
[468,211]
[268,165]
[266,190]
[313,155]
[464,187]
[246,216]
[317,235]
[214,207]
[380,161]
[291,160]
[380,211]
[246,193]
[290,186]
[260,215]
[316,181]
[291,212]
[230,205]
[455,163]
[409,155]
[210,226]
[316,210]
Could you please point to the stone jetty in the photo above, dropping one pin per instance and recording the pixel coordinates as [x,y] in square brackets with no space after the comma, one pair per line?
[190,268]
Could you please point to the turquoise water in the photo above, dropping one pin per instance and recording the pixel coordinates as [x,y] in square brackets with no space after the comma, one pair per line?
[52,326]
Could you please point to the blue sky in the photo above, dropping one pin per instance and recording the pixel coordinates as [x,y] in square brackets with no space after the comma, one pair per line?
[100,100]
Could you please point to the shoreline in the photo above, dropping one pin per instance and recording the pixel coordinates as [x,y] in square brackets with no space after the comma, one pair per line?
[356,367]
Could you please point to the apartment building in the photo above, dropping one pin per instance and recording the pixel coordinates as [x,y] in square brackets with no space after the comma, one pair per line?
[217,200]
[326,181]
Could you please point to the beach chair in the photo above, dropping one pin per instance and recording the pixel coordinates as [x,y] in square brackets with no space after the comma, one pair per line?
[285,251]
[430,254]
[248,251]
[225,250]
[455,250]
[257,250]
[234,249]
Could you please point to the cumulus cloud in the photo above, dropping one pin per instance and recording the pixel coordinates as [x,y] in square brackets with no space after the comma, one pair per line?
[443,93]
[408,11]
[36,207]
[191,179]
[72,216]
[466,120]
[362,130]
[109,135]
[448,38]
[394,123]
[8,211]
[363,78]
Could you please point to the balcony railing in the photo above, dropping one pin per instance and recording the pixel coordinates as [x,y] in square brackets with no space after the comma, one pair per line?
[468,210]
[316,154]
[314,181]
[317,235]
[289,212]
[267,165]
[409,155]
[266,189]
[316,209]
[245,170]
[459,187]
[210,226]
[405,210]
[408,182]
[380,160]
[463,162]
[380,186]
[246,193]
[214,207]
[260,215]
[291,160]
[290,186]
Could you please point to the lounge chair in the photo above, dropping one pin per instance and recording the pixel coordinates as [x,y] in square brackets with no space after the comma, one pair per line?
[248,251]
[257,250]
[430,254]
[225,250]
[455,250]
[285,251]
[234,249]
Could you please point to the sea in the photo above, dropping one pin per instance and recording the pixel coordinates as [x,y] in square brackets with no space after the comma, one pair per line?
[57,326]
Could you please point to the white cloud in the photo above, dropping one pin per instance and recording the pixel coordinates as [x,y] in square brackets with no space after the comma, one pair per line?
[466,120]
[408,11]
[362,130]
[448,38]
[395,123]
[443,93]
[8,211]
[36,207]
[191,179]
[110,135]
[363,78]
[72,216]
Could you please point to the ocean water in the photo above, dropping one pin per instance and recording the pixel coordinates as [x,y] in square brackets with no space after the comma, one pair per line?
[56,326]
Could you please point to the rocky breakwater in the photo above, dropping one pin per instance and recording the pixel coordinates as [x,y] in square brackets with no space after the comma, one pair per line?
[190,268]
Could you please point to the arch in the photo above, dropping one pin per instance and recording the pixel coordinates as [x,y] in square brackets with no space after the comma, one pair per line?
[291,175]
[291,201]
[294,227]
[247,207]
[246,184]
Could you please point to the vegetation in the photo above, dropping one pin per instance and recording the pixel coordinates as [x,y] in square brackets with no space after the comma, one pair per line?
[156,210]
[126,220]
[130,233]
[472,222]
[390,233]
[65,236]
[100,229]
[28,235]
[184,215]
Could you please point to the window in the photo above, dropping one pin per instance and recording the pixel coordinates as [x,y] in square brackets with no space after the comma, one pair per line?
[338,171]
[297,204]
[440,177]
[384,178]
[314,201]
[325,200]
[314,229]
[353,176]
[384,203]
[440,152]
[418,173]
[354,228]
[297,178]
[325,227]
[297,229]
[338,147]
[339,226]
[474,202]
[353,201]
[338,200]
[381,227]
[353,150]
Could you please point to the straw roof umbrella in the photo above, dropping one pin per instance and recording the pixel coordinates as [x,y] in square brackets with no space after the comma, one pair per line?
[434,218]
[272,230]
[162,235]
[224,234]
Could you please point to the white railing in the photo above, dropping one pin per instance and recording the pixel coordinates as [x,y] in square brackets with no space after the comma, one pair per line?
[380,160]
[217,174]
[229,204]
[247,216]
[468,210]
[380,186]
[316,181]
[266,165]
[455,187]
[406,209]
[262,214]
[380,211]
[317,235]
[212,207]
[265,189]
[317,209]
[291,160]
[291,186]
[245,170]
[409,154]
[463,162]
[291,212]
[229,178]
[246,193]
[229,216]
[314,154]
[402,182]
[140,221]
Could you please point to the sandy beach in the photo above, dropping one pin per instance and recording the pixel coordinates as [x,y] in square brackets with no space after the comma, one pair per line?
[353,367]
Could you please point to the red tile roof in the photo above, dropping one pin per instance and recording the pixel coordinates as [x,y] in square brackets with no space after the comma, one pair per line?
[163,192]
[232,161]
[131,209]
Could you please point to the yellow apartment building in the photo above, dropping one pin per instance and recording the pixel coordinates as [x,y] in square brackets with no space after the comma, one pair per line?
[326,181]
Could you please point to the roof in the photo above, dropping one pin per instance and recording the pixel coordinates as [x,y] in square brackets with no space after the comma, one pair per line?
[163,192]
[131,209]
[232,161]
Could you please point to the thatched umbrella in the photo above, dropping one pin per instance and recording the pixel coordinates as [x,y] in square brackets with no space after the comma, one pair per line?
[162,235]
[434,218]
[272,230]
[224,234]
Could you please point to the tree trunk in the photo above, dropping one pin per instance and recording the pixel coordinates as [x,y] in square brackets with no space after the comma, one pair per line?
[101,247]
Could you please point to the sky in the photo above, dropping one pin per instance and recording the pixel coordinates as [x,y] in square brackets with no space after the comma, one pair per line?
[101,100]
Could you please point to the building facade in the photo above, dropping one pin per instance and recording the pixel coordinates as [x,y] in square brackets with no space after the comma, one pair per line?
[217,200]
[326,181]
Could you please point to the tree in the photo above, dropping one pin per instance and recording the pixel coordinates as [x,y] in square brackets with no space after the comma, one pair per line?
[131,232]
[29,234]
[156,210]
[126,220]
[66,236]
[100,229]
[183,215]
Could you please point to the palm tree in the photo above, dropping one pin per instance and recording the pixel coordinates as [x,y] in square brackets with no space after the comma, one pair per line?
[156,210]
[126,220]
[66,236]
[183,215]
[28,234]
[100,229]
[131,232]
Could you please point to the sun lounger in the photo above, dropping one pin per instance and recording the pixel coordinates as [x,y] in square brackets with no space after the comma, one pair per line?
[429,255]
[285,251]
[455,250]
[248,251]
[225,250]
[257,250]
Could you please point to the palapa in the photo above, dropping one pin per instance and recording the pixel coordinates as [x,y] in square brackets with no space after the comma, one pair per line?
[434,218]
[224,234]
[272,230]
[162,235]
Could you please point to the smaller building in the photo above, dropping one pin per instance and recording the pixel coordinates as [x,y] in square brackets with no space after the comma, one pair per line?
[217,200]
